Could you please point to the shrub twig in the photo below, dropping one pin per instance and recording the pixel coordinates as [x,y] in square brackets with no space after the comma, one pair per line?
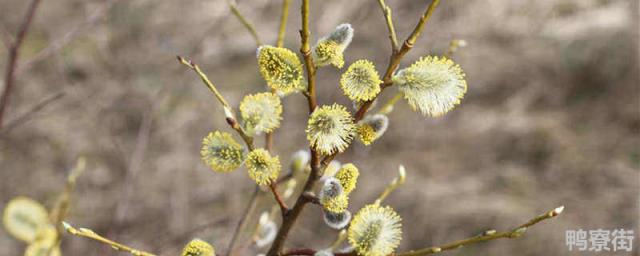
[485,236]
[248,25]
[12,58]
[87,233]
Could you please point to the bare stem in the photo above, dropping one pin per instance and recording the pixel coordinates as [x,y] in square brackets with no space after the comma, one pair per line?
[387,108]
[230,116]
[283,22]
[87,233]
[487,235]
[248,25]
[395,183]
[386,10]
[243,221]
[283,206]
[12,60]
[23,118]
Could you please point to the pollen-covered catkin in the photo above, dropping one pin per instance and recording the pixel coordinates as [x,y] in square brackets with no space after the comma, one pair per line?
[433,85]
[330,129]
[221,152]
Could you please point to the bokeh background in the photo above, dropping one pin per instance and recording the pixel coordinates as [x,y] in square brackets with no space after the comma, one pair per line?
[551,117]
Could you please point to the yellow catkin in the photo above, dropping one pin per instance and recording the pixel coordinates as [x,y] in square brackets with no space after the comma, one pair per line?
[198,247]
[263,168]
[335,204]
[375,231]
[330,129]
[281,68]
[361,81]
[221,152]
[348,177]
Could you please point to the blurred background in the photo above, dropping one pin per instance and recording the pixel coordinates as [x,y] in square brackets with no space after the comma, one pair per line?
[551,117]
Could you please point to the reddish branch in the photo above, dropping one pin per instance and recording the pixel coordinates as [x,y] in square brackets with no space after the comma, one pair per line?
[12,61]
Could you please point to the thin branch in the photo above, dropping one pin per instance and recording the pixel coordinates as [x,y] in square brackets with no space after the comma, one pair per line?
[386,11]
[230,116]
[454,45]
[87,233]
[395,183]
[6,37]
[283,206]
[243,221]
[244,21]
[487,235]
[12,59]
[387,108]
[305,49]
[23,118]
[283,23]
[72,34]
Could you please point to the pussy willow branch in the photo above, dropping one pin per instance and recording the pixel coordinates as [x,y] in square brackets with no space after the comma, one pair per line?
[12,58]
[87,233]
[290,218]
[248,25]
[397,55]
[486,236]
[231,120]
[394,62]
[268,139]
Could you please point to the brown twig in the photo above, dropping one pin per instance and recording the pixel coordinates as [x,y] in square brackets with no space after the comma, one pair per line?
[72,34]
[23,118]
[12,59]
[283,206]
